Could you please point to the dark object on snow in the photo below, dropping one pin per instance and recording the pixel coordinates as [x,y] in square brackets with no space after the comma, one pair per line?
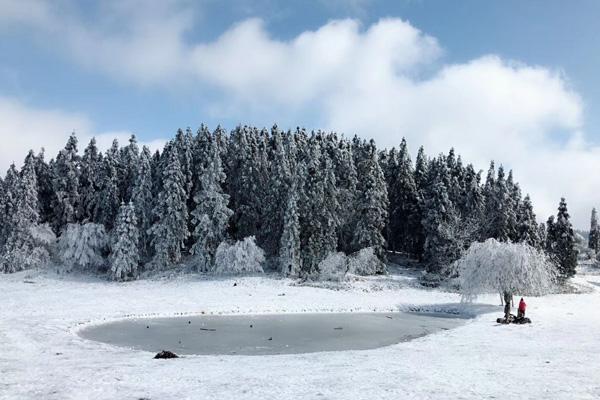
[208,329]
[339,328]
[189,322]
[234,283]
[270,338]
[166,354]
[512,319]
[250,325]
[147,327]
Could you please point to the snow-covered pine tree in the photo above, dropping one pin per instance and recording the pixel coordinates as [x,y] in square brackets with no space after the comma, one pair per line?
[594,235]
[210,215]
[438,247]
[275,204]
[66,184]
[130,155]
[241,185]
[564,251]
[346,180]
[372,203]
[319,207]
[108,198]
[513,207]
[124,257]
[404,220]
[170,229]
[289,246]
[184,142]
[20,251]
[9,203]
[551,235]
[90,180]
[46,195]
[143,200]
[498,209]
[528,230]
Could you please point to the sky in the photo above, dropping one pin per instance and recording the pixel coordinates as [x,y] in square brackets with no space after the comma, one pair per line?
[512,81]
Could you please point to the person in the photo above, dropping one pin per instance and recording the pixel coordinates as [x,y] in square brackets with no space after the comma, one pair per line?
[522,307]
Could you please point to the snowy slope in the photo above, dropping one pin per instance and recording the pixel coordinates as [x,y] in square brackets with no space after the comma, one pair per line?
[42,357]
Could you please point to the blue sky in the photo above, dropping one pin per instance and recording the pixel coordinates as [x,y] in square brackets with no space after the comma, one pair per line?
[514,81]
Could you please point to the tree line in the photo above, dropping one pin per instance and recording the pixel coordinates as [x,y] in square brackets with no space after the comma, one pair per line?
[301,195]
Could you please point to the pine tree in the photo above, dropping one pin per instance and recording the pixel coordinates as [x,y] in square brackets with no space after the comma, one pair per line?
[66,184]
[142,199]
[130,156]
[46,195]
[243,185]
[346,178]
[9,203]
[564,251]
[404,204]
[372,203]
[210,215]
[108,198]
[279,178]
[170,229]
[90,180]
[528,229]
[289,247]
[594,236]
[124,258]
[500,217]
[19,250]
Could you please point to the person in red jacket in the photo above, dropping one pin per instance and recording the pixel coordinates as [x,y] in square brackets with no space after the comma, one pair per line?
[522,307]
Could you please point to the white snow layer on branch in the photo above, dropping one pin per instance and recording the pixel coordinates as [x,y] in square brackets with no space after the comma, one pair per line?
[336,266]
[81,246]
[243,256]
[494,266]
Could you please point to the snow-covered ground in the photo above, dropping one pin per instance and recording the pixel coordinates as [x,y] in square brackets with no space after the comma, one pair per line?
[42,357]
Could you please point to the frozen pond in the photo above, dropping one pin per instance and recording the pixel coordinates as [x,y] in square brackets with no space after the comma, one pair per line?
[269,334]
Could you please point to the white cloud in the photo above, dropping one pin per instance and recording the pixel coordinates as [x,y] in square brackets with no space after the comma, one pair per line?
[24,128]
[384,81]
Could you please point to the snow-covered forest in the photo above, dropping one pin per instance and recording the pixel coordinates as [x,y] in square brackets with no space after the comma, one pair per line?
[250,199]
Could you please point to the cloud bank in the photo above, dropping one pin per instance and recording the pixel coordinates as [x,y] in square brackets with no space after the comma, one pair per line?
[385,81]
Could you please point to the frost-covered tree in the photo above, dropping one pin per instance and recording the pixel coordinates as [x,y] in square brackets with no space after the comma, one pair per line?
[129,157]
[66,184]
[242,183]
[8,203]
[109,199]
[404,218]
[210,215]
[46,195]
[445,235]
[124,258]
[83,247]
[20,251]
[528,230]
[280,179]
[142,199]
[508,268]
[289,247]
[372,203]
[243,256]
[563,248]
[170,229]
[594,235]
[90,180]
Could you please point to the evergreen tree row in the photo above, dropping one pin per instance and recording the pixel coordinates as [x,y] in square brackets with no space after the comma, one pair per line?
[302,195]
